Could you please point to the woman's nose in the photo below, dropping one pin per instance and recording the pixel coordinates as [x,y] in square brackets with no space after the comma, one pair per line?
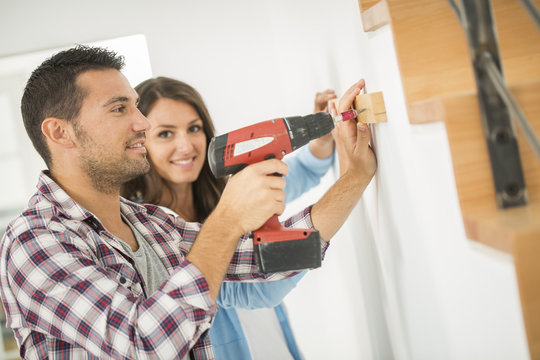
[183,143]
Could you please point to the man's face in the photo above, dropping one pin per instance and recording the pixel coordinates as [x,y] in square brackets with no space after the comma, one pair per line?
[110,130]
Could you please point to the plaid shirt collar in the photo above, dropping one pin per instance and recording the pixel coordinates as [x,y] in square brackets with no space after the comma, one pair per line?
[69,209]
[63,203]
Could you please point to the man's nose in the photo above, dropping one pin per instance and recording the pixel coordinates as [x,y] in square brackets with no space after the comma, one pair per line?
[140,123]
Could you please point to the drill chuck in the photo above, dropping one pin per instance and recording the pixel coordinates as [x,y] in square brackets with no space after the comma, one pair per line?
[303,129]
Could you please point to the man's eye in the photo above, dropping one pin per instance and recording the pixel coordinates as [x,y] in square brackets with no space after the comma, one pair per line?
[165,134]
[119,109]
[195,128]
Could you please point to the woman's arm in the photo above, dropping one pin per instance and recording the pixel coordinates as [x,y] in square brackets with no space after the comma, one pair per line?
[254,295]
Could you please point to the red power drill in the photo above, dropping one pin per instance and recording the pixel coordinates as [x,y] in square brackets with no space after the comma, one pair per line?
[276,248]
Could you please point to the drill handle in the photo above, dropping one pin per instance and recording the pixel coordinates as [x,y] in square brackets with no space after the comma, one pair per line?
[271,224]
[285,249]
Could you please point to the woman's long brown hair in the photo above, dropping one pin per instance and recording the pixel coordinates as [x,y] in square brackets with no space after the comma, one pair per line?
[149,188]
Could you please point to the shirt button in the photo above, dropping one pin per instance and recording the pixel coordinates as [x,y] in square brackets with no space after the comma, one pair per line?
[122,280]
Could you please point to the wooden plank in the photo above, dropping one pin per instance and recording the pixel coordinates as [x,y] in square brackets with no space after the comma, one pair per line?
[519,41]
[366,4]
[376,16]
[426,111]
[469,150]
[432,50]
[521,229]
[526,252]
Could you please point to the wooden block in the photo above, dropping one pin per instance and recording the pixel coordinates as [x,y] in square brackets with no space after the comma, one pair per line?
[374,105]
[376,16]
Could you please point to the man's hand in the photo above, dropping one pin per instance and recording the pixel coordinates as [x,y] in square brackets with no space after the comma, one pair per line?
[322,99]
[353,140]
[252,195]
[323,147]
[357,167]
[356,156]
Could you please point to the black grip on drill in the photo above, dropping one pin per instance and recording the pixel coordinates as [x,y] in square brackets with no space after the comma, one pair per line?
[303,129]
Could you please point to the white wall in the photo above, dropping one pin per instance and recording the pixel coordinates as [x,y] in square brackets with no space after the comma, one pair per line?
[401,280]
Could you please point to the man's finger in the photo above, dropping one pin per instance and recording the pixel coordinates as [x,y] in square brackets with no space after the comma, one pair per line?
[347,99]
[363,136]
[347,135]
[271,166]
[332,108]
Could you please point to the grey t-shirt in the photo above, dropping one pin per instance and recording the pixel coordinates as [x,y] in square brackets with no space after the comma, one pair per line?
[147,261]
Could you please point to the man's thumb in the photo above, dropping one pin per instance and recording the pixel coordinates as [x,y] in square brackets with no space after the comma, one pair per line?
[363,136]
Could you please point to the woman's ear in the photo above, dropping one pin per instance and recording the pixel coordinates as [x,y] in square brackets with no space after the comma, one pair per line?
[57,132]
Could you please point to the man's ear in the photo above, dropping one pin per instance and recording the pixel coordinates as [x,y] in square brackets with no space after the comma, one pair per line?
[57,131]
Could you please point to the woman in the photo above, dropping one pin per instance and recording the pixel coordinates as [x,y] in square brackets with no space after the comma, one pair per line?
[180,180]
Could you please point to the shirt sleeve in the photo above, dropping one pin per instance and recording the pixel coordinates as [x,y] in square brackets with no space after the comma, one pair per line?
[255,295]
[62,290]
[305,172]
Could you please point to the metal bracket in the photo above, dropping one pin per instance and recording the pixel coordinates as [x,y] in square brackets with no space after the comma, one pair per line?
[510,189]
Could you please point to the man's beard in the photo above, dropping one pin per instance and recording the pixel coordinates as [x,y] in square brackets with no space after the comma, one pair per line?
[108,172]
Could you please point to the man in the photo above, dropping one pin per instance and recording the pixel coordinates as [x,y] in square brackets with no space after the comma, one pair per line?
[69,285]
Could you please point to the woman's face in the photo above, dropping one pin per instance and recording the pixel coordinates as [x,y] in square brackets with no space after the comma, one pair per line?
[176,142]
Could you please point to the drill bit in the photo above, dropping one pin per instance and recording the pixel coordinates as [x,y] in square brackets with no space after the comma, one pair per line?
[348,115]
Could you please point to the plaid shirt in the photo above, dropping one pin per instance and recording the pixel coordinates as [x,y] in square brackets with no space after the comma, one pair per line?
[70,291]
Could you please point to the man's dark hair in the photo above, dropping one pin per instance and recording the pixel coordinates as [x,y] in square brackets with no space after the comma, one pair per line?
[52,90]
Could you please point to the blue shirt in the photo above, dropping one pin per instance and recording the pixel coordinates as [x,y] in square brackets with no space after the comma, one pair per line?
[226,334]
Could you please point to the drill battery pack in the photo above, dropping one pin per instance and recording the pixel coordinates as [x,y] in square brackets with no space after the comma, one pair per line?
[288,255]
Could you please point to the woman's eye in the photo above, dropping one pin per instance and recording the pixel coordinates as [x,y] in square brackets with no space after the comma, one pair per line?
[165,134]
[195,128]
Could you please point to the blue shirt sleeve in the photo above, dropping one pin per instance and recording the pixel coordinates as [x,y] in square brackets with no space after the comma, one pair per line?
[255,295]
[305,172]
